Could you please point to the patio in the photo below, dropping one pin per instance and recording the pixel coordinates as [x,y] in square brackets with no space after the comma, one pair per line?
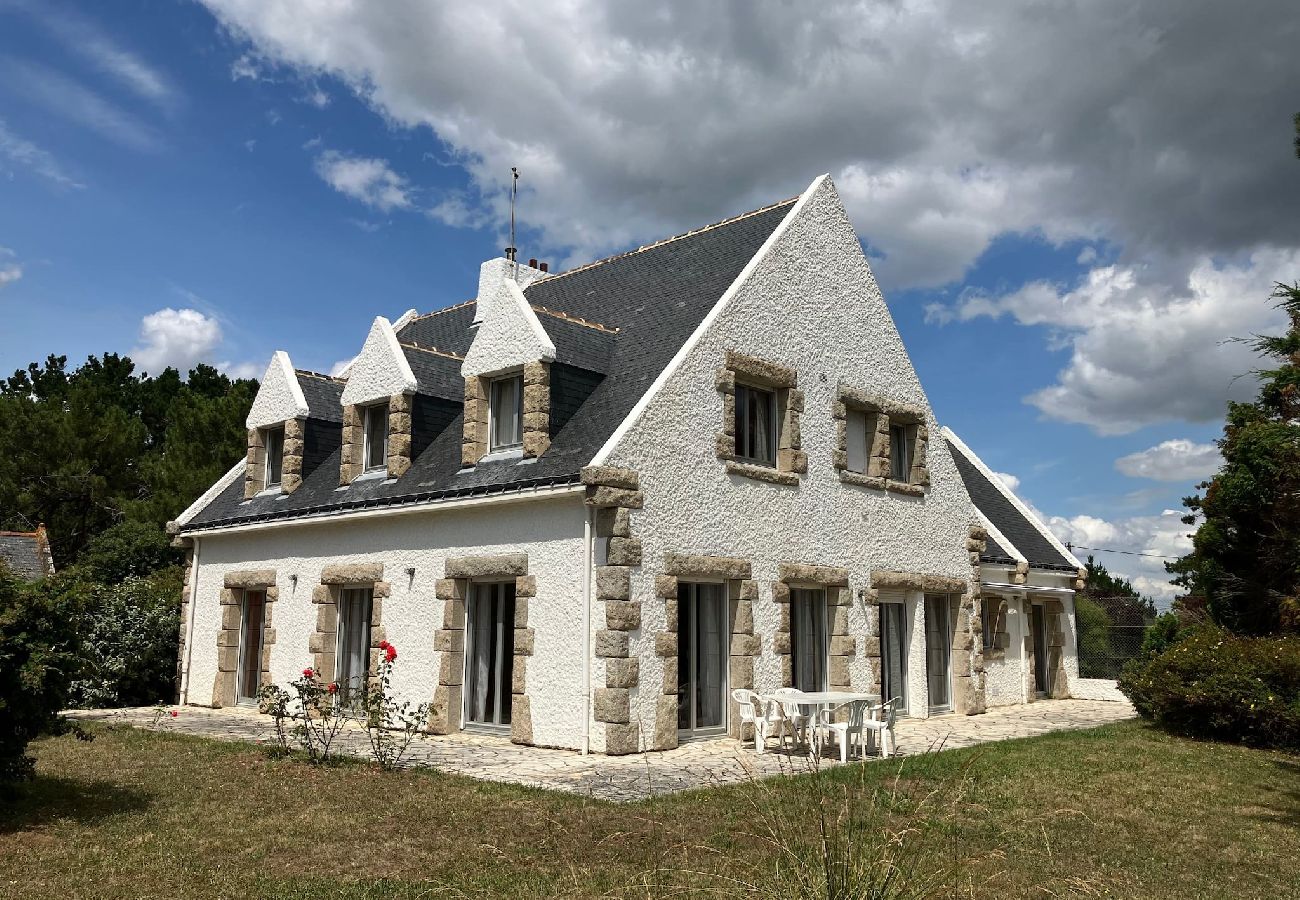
[697,764]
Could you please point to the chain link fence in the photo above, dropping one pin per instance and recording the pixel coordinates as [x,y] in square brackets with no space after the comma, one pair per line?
[1110,632]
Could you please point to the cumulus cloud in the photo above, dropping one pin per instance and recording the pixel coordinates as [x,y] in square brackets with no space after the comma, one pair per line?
[1176,460]
[10,269]
[1011,481]
[1143,350]
[341,366]
[946,123]
[179,338]
[1157,538]
[21,152]
[371,181]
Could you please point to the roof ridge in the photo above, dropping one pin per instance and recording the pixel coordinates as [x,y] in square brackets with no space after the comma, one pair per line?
[576,320]
[445,309]
[412,345]
[668,240]
[30,534]
[321,375]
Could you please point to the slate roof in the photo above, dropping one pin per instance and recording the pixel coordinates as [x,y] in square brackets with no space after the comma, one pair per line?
[322,394]
[26,554]
[635,310]
[1026,536]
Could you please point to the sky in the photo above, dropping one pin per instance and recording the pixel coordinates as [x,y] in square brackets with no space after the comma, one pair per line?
[1072,207]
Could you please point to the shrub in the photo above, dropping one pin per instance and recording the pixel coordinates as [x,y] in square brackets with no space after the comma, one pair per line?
[126,550]
[129,632]
[1161,634]
[1212,684]
[39,656]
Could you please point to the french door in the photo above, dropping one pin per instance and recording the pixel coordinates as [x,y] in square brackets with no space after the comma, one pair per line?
[353,656]
[701,658]
[252,618]
[810,639]
[1039,623]
[893,653]
[938,651]
[489,654]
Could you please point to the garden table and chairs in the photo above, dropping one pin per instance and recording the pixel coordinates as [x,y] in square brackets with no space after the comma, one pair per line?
[811,717]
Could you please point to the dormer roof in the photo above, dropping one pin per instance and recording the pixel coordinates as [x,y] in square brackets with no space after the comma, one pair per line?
[279,397]
[509,333]
[380,370]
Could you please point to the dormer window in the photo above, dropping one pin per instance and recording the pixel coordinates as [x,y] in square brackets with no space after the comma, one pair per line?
[506,413]
[755,425]
[376,437]
[273,440]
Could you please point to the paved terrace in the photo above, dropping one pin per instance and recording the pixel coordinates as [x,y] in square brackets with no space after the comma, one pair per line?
[628,778]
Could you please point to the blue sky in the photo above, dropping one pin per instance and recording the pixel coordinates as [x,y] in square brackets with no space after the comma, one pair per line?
[1064,240]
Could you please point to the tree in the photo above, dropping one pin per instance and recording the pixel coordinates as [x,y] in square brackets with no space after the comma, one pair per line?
[1245,561]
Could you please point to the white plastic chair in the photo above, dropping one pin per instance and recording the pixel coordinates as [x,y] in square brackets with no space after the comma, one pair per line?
[884,726]
[796,719]
[751,713]
[774,715]
[847,730]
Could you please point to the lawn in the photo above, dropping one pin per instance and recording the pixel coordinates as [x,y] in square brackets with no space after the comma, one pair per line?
[1119,811]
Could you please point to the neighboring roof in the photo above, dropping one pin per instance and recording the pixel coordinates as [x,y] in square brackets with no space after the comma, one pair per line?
[26,553]
[1021,528]
[624,317]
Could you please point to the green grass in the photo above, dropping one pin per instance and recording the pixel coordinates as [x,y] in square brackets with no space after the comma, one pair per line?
[1120,811]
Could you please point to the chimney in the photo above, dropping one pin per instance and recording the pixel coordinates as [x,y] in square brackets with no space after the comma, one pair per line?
[546,267]
[532,263]
[510,253]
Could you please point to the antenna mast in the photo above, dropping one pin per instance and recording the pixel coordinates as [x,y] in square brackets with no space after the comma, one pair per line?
[511,251]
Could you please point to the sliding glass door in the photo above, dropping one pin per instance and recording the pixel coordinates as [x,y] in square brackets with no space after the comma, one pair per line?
[701,658]
[253,616]
[893,653]
[353,657]
[938,651]
[489,654]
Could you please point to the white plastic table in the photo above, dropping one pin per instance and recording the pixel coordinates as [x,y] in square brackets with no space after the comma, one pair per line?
[813,701]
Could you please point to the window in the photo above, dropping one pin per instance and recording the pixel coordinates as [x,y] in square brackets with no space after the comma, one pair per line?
[506,413]
[755,425]
[252,620]
[893,652]
[273,439]
[376,451]
[353,660]
[809,639]
[900,455]
[489,654]
[987,605]
[858,439]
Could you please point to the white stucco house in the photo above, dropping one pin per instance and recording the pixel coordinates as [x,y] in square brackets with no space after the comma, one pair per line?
[586,505]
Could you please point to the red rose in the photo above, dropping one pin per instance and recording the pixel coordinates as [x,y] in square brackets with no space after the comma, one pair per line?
[334,688]
[384,645]
[390,652]
[175,714]
[307,672]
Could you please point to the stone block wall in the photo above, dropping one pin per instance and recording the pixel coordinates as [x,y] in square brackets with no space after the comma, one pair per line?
[226,684]
[353,444]
[474,440]
[614,493]
[399,435]
[254,464]
[537,409]
[295,442]
[880,413]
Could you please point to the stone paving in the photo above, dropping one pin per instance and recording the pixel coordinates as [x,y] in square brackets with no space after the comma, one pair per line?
[695,764]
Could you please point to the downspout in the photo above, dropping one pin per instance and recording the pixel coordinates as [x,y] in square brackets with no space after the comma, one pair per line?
[189,626]
[587,556]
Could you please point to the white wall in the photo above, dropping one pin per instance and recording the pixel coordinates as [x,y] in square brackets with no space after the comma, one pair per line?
[550,531]
[812,304]
[1004,679]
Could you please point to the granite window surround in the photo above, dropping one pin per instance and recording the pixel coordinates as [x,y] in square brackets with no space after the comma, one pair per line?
[271,447]
[741,371]
[881,420]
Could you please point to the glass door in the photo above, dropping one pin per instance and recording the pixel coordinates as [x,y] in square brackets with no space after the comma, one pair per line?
[893,653]
[701,659]
[1039,624]
[938,651]
[353,657]
[252,617]
[489,654]
[810,639]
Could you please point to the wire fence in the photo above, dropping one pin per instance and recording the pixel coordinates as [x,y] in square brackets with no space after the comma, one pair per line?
[1110,633]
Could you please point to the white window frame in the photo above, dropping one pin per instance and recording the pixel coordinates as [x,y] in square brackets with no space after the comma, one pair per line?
[349,594]
[908,447]
[367,412]
[822,619]
[276,434]
[493,385]
[743,392]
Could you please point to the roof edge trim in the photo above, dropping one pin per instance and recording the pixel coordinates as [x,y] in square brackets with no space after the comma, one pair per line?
[210,494]
[1000,538]
[705,324]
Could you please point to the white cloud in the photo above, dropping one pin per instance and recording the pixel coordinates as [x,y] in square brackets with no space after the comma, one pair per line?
[1143,351]
[1176,460]
[1011,481]
[245,67]
[10,269]
[631,121]
[1087,256]
[341,366]
[21,152]
[243,369]
[1160,538]
[179,338]
[372,181]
